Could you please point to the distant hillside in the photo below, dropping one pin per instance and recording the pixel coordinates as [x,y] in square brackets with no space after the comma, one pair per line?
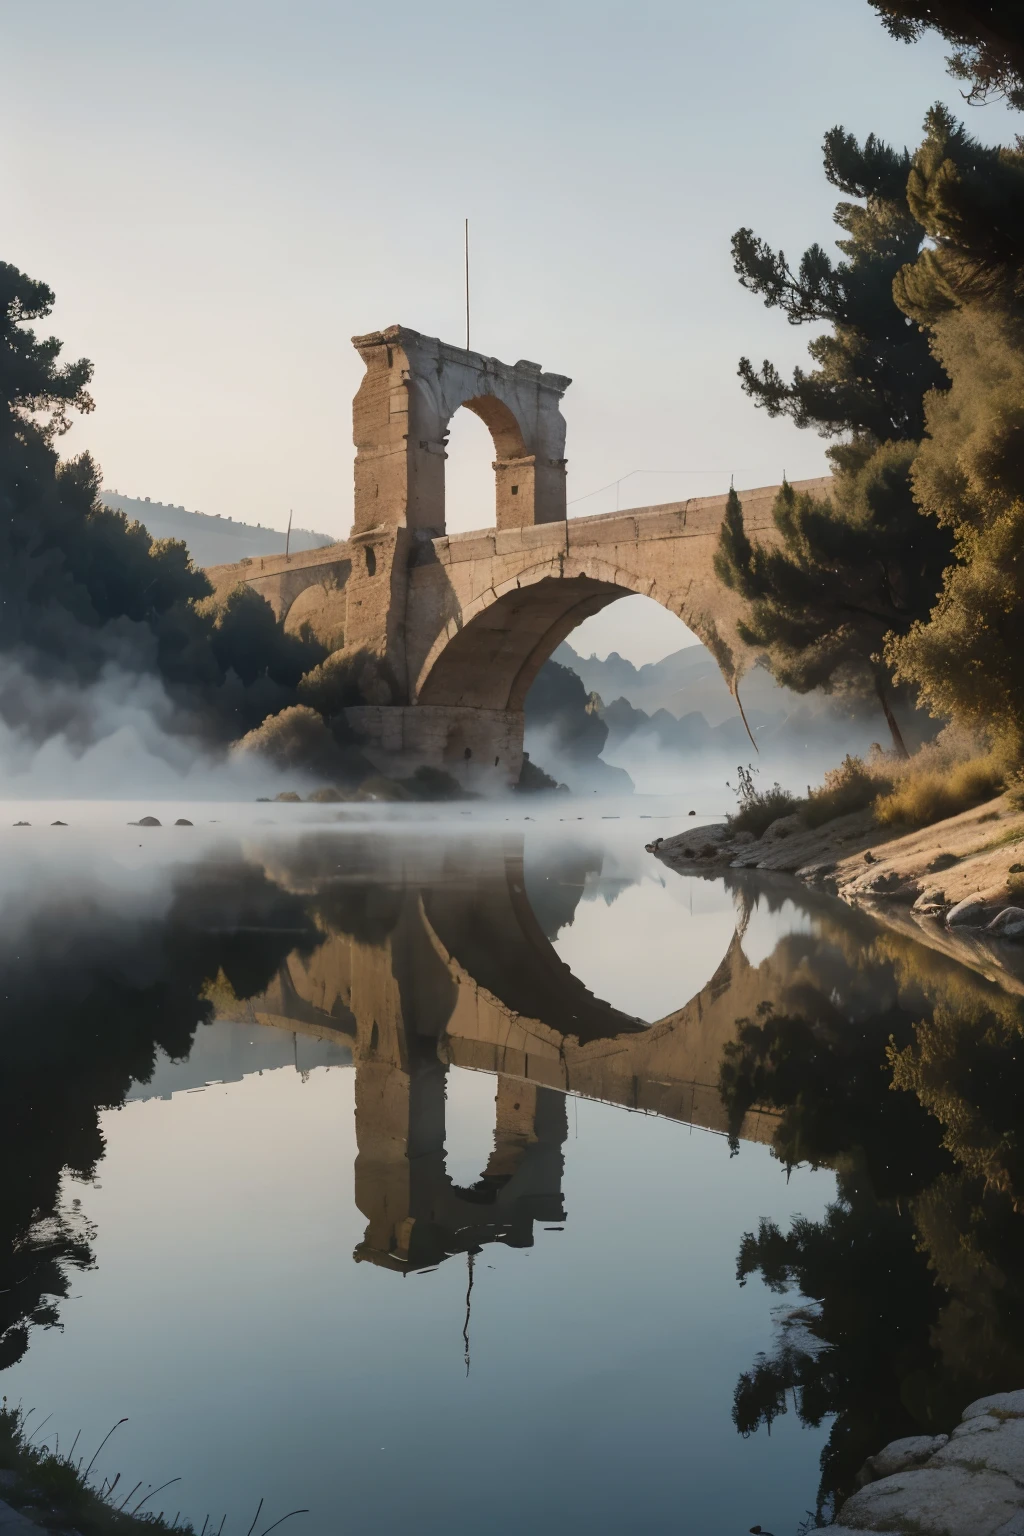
[211,540]
[682,705]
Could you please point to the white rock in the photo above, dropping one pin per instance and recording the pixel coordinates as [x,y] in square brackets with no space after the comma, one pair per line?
[998,1443]
[998,1402]
[938,1501]
[966,914]
[900,1456]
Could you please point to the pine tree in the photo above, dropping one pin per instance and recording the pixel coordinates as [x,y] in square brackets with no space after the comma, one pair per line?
[81,587]
[987,38]
[967,288]
[847,569]
[873,367]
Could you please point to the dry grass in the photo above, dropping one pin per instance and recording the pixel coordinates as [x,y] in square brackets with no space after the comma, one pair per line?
[927,791]
[853,786]
[1015,790]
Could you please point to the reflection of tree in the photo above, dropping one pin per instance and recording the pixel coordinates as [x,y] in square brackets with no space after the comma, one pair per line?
[965,1067]
[89,998]
[915,1274]
[869,1333]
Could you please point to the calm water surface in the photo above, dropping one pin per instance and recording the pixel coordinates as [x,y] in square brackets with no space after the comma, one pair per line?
[481,1173]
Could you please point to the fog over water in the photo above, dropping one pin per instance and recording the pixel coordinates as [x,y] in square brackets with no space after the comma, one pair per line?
[237,1176]
[345,1146]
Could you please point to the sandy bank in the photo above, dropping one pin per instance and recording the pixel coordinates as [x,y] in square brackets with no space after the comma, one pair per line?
[957,886]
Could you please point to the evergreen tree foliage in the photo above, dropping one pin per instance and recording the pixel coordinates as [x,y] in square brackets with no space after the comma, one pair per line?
[967,287]
[969,201]
[915,1269]
[846,570]
[987,38]
[82,589]
[873,366]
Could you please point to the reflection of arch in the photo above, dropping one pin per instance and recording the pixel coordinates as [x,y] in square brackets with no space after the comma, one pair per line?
[508,631]
[494,937]
[463,974]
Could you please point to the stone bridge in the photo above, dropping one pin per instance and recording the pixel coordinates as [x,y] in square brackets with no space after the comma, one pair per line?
[440,636]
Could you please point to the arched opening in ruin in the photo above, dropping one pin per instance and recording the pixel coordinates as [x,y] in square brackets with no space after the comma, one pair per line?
[482,434]
[598,722]
[492,661]
[322,609]
[603,712]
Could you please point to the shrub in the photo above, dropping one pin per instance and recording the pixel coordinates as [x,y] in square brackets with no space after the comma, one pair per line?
[299,739]
[758,808]
[925,793]
[853,786]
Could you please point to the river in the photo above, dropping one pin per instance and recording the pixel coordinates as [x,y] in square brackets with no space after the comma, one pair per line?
[468,1168]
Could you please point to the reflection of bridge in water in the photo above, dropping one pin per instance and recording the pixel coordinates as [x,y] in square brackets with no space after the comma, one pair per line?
[442,967]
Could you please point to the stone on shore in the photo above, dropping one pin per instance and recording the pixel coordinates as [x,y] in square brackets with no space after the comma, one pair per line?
[899,1456]
[938,1501]
[1008,924]
[969,1484]
[966,914]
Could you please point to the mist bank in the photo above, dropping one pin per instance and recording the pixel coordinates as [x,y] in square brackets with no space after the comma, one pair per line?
[672,726]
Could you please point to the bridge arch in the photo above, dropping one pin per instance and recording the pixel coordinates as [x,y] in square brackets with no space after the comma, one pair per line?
[490,656]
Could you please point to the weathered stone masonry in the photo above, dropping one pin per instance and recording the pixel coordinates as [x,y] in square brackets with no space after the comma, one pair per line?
[450,631]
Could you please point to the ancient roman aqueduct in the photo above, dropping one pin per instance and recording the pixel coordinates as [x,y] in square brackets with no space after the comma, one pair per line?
[445,633]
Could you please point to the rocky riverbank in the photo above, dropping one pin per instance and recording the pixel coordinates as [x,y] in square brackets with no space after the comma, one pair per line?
[969,1483]
[958,885]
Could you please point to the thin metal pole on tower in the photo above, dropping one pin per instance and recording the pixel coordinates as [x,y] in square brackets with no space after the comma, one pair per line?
[288,536]
[467,284]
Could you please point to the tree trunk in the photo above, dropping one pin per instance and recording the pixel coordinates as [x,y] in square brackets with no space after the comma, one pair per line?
[890,719]
[743,717]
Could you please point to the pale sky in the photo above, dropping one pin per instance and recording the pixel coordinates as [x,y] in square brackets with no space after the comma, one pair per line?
[222,194]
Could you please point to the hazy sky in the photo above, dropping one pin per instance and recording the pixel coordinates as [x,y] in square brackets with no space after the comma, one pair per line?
[222,194]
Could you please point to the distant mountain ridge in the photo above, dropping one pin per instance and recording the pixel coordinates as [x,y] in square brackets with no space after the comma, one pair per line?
[686,682]
[211,539]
